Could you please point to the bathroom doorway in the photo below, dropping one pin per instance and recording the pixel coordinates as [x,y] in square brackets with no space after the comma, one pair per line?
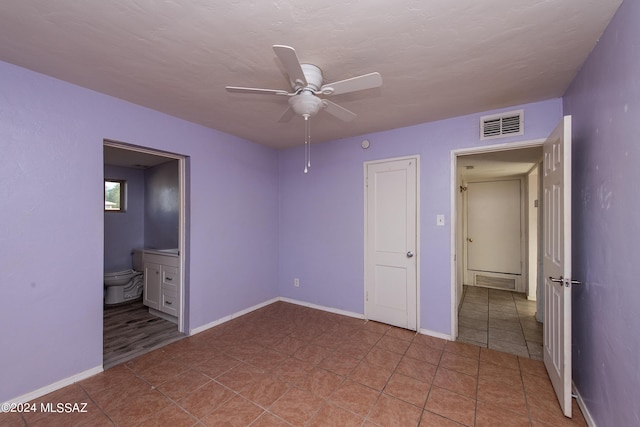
[146,238]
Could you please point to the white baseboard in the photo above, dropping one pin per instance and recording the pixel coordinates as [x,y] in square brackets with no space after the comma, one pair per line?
[585,411]
[359,316]
[56,386]
[88,373]
[91,372]
[266,303]
[436,334]
[231,316]
[323,308]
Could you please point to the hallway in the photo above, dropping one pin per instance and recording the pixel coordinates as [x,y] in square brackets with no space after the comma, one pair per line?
[500,320]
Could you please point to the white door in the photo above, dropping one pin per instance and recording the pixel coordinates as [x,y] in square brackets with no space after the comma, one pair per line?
[494,227]
[557,261]
[391,242]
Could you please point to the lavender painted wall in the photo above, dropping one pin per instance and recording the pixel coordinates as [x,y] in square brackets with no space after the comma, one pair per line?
[322,212]
[51,137]
[124,231]
[604,100]
[162,206]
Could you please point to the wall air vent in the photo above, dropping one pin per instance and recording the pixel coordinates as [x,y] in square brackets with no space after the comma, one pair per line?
[495,282]
[502,125]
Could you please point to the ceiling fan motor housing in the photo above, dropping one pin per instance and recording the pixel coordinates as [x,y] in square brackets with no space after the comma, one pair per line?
[305,103]
[313,75]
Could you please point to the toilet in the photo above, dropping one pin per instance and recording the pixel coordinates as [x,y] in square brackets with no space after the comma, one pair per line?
[126,285]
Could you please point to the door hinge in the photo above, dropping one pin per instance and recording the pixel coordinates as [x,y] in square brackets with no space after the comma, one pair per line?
[366,296]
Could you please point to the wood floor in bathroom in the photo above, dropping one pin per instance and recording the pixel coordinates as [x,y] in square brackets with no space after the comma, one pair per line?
[129,331]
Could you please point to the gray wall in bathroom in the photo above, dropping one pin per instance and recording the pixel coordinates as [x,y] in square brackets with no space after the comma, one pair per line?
[124,231]
[162,206]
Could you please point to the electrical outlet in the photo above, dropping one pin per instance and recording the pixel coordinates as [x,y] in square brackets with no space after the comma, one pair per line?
[439,220]
[296,282]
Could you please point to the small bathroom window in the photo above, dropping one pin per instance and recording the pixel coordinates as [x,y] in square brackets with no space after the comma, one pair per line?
[114,195]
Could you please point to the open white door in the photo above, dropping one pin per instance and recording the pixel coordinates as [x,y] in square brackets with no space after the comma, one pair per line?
[391,239]
[557,261]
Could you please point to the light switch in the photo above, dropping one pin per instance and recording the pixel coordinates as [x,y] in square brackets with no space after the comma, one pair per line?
[440,220]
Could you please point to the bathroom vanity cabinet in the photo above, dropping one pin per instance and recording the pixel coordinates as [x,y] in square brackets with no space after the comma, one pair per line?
[162,283]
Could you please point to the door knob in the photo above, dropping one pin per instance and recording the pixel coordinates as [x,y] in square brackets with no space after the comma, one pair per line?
[409,254]
[566,282]
[470,239]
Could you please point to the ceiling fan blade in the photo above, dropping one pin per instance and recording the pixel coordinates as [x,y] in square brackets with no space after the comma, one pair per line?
[354,84]
[236,89]
[291,63]
[287,115]
[338,111]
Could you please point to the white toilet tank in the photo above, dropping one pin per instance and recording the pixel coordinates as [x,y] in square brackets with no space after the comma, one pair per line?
[138,263]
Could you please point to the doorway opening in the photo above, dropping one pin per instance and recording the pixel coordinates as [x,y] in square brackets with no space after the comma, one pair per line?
[495,231]
[145,244]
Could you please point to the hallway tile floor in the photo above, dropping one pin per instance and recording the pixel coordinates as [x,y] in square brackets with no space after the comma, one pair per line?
[500,320]
[287,365]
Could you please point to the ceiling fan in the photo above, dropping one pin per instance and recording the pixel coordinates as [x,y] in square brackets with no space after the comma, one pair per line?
[306,89]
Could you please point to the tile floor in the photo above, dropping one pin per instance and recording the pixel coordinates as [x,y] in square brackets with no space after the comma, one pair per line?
[500,320]
[286,365]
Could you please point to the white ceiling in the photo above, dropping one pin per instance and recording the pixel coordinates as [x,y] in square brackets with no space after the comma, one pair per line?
[438,58]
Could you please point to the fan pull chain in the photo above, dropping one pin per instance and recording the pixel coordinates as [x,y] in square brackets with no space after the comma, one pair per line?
[307,152]
[308,143]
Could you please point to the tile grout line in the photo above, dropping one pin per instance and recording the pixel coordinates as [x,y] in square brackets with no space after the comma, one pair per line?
[366,417]
[228,347]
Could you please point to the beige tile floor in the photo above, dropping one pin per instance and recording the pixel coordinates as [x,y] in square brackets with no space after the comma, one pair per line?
[286,365]
[500,320]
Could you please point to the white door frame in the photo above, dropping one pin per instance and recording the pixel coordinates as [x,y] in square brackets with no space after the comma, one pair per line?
[415,157]
[534,257]
[181,215]
[454,211]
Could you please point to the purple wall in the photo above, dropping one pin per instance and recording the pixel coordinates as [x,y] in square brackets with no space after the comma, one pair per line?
[604,100]
[256,221]
[162,206]
[51,138]
[322,212]
[124,231]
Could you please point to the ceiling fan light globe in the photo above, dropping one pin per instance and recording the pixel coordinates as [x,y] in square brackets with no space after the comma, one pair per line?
[306,103]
